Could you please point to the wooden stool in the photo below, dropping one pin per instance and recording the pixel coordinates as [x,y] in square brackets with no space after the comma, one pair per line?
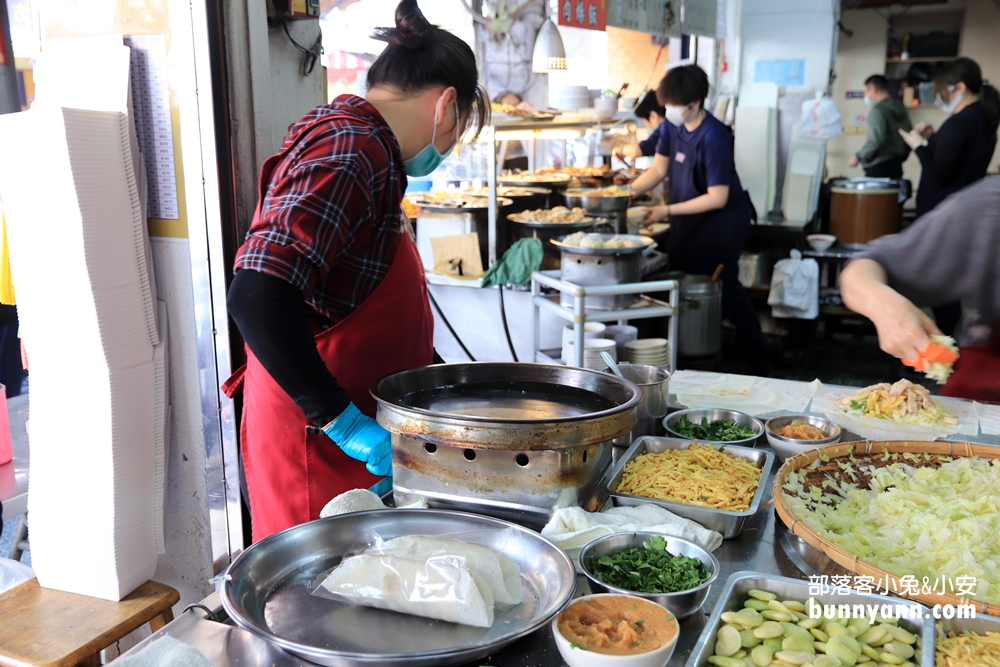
[48,628]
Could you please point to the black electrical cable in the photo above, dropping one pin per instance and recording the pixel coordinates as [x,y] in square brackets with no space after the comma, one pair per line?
[506,330]
[448,324]
[197,605]
[310,55]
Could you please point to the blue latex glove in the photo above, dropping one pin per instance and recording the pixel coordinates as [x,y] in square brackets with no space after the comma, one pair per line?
[362,439]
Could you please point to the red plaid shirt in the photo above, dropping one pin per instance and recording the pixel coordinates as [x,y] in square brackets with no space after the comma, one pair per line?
[330,221]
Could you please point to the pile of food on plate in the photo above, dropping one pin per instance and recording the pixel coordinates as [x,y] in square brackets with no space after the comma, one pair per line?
[921,515]
[510,110]
[651,569]
[535,177]
[699,475]
[559,214]
[584,240]
[902,402]
[767,631]
[719,430]
[586,172]
[967,649]
[448,580]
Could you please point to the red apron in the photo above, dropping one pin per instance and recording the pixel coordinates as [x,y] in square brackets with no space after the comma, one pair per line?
[977,372]
[292,468]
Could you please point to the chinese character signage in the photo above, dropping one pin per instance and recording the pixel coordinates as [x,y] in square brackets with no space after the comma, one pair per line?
[700,17]
[656,17]
[587,14]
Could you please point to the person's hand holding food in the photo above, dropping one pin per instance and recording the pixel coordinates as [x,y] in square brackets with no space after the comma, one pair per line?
[903,329]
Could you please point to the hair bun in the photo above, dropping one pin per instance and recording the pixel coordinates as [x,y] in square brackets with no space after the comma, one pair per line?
[412,30]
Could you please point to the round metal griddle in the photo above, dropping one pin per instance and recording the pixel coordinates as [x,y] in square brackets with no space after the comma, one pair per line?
[641,244]
[594,201]
[505,405]
[268,591]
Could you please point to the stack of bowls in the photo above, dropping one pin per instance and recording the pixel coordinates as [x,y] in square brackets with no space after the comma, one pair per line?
[621,334]
[647,351]
[592,348]
[590,330]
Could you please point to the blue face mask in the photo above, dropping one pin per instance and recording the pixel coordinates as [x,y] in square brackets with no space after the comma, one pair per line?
[429,159]
[869,101]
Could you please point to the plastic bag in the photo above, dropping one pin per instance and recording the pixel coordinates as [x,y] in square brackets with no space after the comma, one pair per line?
[820,118]
[460,577]
[795,288]
[13,573]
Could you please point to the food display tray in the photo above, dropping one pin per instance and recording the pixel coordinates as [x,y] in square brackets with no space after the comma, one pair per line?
[735,593]
[850,561]
[728,523]
[268,591]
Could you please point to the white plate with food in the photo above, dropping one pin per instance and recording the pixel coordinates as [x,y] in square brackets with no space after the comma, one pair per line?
[603,244]
[269,590]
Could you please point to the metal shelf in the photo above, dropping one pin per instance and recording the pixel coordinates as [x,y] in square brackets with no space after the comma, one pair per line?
[579,315]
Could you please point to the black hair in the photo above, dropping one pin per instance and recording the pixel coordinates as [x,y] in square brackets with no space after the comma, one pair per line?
[421,55]
[878,82]
[683,86]
[649,105]
[507,93]
[966,70]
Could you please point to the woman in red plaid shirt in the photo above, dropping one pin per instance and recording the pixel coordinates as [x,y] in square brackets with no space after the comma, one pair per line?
[329,291]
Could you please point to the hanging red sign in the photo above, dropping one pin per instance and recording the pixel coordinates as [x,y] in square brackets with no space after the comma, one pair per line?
[587,14]
[3,42]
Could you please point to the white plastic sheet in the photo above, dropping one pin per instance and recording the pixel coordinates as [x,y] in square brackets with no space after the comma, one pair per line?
[753,395]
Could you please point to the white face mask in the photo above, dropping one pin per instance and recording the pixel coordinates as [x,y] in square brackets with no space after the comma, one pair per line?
[948,107]
[676,115]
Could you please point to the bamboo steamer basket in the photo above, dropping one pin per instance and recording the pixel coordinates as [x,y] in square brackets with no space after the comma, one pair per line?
[848,560]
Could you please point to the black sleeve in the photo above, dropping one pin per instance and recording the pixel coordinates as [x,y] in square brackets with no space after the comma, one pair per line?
[946,150]
[271,315]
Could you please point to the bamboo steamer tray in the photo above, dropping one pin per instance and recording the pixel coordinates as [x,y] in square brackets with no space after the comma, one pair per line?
[848,560]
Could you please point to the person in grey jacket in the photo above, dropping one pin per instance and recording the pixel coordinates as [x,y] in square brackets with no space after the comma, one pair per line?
[950,254]
[884,151]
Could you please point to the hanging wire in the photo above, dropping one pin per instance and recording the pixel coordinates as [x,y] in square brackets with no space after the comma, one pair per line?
[310,55]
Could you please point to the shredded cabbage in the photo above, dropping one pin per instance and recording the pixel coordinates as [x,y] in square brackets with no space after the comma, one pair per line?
[937,371]
[937,523]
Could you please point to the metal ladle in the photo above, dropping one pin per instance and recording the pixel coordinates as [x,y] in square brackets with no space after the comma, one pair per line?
[610,361]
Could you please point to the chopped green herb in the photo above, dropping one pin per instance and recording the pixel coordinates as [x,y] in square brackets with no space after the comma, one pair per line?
[721,430]
[651,569]
[858,405]
[639,622]
[681,654]
[574,645]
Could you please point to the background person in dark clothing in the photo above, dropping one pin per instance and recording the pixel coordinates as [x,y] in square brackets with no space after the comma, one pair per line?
[652,115]
[959,153]
[884,151]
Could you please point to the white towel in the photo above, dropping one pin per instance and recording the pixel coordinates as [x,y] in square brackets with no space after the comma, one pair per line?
[571,528]
[165,652]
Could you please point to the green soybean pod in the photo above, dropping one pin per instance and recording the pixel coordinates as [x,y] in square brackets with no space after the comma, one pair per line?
[761,656]
[727,642]
[904,651]
[795,657]
[761,595]
[747,639]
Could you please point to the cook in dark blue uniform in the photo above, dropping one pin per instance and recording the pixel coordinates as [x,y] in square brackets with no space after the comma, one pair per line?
[651,113]
[709,212]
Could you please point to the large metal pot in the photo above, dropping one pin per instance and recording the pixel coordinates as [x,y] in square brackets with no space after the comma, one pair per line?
[699,323]
[603,266]
[514,441]
[435,221]
[863,209]
[547,232]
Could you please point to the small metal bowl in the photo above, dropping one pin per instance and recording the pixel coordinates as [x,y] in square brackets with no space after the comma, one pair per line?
[788,447]
[699,415]
[681,604]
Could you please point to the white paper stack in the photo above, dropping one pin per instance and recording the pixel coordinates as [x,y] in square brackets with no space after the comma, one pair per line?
[82,268]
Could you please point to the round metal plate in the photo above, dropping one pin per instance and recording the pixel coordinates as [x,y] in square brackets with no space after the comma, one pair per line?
[641,244]
[268,591]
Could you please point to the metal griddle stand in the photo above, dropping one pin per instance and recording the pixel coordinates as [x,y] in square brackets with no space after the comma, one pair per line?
[579,315]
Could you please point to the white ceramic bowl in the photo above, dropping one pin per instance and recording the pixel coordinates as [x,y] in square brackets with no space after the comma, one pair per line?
[786,448]
[821,242]
[578,657]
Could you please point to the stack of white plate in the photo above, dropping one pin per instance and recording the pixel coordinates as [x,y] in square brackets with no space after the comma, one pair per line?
[592,348]
[621,334]
[572,98]
[590,330]
[647,351]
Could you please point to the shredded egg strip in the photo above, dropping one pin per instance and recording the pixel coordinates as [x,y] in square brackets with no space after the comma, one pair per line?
[968,650]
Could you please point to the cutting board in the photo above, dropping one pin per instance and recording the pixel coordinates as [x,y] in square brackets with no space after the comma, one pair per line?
[464,247]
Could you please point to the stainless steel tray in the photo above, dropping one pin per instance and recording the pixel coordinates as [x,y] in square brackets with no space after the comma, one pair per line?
[728,523]
[739,583]
[268,591]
